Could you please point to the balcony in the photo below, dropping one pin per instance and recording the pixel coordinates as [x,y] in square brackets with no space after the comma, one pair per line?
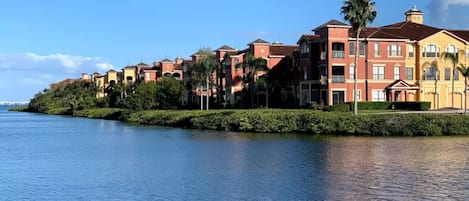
[338,50]
[338,54]
[338,79]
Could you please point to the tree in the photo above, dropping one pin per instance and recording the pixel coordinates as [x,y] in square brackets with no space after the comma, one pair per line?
[358,13]
[454,58]
[465,72]
[203,72]
[251,66]
[264,83]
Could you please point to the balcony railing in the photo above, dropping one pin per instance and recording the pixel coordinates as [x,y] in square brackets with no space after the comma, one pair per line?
[339,54]
[338,79]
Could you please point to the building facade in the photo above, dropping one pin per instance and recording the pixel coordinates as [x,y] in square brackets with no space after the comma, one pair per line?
[398,62]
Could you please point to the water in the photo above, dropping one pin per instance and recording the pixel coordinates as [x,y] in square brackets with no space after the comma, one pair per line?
[45,157]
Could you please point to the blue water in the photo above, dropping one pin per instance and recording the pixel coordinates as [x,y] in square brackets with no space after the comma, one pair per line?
[45,157]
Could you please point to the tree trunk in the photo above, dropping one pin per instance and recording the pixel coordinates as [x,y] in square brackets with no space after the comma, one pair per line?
[355,85]
[267,98]
[465,95]
[208,99]
[452,89]
[201,100]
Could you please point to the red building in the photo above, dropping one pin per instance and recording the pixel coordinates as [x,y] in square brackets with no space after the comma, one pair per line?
[327,64]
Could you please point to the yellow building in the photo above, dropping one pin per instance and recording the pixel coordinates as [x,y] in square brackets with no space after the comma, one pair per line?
[438,80]
[129,75]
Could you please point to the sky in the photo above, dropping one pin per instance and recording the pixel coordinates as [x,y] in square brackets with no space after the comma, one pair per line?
[42,42]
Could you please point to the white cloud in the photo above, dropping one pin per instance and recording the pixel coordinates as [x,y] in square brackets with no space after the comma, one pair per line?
[32,72]
[105,66]
[449,13]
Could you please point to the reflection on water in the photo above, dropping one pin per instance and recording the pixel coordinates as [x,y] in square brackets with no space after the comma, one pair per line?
[45,157]
[398,168]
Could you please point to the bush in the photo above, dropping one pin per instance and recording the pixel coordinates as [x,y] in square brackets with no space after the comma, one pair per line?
[308,121]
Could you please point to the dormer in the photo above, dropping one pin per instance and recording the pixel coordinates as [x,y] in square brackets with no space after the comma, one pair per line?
[414,15]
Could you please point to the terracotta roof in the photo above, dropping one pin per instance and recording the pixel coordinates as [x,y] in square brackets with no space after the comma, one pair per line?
[410,30]
[166,60]
[283,50]
[308,37]
[111,70]
[177,67]
[331,23]
[464,34]
[377,32]
[142,64]
[226,47]
[258,41]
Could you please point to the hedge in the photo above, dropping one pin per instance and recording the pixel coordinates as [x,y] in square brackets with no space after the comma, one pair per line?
[309,122]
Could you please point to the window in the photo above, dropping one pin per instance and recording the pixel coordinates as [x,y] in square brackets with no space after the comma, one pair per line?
[456,74]
[409,73]
[431,51]
[352,71]
[378,72]
[352,48]
[451,49]
[394,50]
[338,97]
[376,48]
[337,50]
[431,73]
[447,73]
[411,51]
[304,48]
[305,73]
[338,75]
[378,95]
[362,48]
[396,72]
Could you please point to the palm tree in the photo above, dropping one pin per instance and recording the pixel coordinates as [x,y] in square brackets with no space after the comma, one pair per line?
[358,13]
[203,71]
[251,66]
[264,83]
[465,72]
[454,58]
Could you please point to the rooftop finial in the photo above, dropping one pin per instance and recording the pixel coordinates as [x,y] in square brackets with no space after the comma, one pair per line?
[414,8]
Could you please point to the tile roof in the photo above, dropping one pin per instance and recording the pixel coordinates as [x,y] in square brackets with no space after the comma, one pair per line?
[283,50]
[308,37]
[332,22]
[258,41]
[464,34]
[166,60]
[226,47]
[410,30]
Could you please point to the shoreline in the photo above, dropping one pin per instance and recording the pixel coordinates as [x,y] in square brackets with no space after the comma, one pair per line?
[299,121]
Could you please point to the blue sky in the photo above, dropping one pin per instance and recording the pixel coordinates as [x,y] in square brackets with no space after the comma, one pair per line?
[46,41]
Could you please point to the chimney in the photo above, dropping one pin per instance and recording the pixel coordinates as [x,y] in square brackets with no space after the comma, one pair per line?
[414,15]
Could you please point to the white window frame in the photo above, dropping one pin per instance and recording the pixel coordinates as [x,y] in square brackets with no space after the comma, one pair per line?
[378,95]
[407,75]
[378,72]
[352,71]
[411,51]
[376,48]
[397,73]
[394,50]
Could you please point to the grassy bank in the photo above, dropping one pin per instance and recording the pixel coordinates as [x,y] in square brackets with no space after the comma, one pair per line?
[289,121]
[309,121]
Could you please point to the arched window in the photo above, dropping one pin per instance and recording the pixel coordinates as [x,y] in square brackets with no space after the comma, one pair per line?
[431,51]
